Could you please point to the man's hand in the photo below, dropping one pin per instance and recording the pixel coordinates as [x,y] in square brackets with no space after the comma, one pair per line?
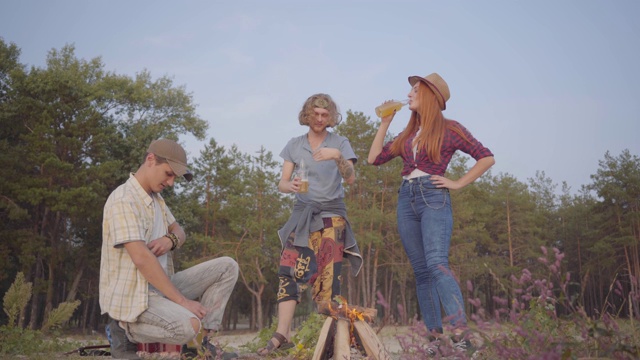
[160,246]
[294,185]
[195,307]
[326,154]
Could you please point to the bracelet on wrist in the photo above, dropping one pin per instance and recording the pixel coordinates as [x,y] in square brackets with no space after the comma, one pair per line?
[173,244]
[174,240]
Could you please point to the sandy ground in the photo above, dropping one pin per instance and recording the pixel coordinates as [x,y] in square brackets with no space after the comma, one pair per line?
[237,340]
[387,335]
[244,342]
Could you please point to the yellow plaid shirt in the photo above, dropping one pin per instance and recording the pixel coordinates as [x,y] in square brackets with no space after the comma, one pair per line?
[128,216]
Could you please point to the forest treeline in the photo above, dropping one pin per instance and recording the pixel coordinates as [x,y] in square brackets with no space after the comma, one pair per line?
[71,132]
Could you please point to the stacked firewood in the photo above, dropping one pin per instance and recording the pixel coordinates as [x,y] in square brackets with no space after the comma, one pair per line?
[346,334]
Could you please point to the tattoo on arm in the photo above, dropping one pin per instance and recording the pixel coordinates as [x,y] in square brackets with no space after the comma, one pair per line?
[345,167]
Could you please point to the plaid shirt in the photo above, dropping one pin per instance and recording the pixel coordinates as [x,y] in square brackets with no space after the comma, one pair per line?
[451,142]
[128,216]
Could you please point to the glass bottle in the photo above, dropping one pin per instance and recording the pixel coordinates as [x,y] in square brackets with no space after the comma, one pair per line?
[390,107]
[303,173]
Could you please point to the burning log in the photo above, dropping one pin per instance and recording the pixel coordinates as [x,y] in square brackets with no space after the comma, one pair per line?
[342,340]
[347,311]
[369,340]
[327,332]
[347,327]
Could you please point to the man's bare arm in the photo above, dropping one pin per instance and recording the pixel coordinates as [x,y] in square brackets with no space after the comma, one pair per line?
[345,167]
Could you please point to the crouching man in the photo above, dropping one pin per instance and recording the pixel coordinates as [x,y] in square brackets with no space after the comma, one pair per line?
[146,301]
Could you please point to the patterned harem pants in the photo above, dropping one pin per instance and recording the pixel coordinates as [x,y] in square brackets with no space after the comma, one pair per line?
[319,264]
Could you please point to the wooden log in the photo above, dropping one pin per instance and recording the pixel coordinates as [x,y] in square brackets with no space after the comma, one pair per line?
[346,311]
[370,341]
[342,340]
[325,334]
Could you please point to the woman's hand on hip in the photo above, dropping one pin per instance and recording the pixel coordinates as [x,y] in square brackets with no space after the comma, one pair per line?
[442,182]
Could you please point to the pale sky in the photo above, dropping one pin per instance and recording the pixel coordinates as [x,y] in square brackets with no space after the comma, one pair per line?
[546,85]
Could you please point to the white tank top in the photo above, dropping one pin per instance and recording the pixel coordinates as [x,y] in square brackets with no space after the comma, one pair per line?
[416,172]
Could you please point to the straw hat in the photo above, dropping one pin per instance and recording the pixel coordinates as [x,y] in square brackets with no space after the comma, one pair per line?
[437,85]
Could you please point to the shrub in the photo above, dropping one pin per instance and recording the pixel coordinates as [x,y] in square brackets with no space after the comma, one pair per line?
[16,299]
[528,326]
[305,339]
[17,341]
[60,315]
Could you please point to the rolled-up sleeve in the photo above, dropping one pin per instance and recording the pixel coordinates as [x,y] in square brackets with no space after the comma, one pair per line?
[385,155]
[473,147]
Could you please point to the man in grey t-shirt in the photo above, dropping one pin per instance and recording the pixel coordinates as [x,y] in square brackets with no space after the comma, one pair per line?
[317,235]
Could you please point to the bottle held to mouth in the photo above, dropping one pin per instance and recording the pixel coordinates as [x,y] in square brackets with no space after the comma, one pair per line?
[390,107]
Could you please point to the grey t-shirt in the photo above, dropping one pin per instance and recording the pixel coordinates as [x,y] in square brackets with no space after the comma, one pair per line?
[325,181]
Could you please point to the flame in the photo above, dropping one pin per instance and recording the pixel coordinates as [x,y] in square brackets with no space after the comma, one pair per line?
[352,314]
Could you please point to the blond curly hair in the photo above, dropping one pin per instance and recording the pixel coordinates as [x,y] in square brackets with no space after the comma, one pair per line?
[323,101]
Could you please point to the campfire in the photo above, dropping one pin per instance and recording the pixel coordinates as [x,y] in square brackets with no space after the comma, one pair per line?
[346,332]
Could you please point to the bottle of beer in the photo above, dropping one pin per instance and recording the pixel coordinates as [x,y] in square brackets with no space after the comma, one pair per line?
[303,174]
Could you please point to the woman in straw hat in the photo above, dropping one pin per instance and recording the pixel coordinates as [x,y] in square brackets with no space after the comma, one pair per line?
[425,219]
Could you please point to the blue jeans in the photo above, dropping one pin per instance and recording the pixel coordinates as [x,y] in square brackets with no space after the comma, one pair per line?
[425,223]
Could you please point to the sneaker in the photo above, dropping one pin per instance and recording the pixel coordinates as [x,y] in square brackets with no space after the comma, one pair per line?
[188,353]
[211,352]
[465,345]
[433,348]
[121,346]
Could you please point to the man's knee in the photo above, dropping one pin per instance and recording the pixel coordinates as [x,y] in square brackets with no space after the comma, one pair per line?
[231,265]
[195,323]
[186,330]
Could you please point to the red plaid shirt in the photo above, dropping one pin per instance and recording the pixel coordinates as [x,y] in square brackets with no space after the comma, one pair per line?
[451,142]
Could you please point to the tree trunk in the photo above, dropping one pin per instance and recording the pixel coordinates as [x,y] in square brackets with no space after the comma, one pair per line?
[374,276]
[364,281]
[509,239]
[84,318]
[234,317]
[23,311]
[73,291]
[388,286]
[35,301]
[49,298]
[364,284]
[93,312]
[348,281]
[510,242]
[259,314]
[207,204]
[252,318]
[488,293]
[403,300]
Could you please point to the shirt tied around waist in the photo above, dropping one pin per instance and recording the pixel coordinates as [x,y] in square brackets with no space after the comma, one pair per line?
[307,218]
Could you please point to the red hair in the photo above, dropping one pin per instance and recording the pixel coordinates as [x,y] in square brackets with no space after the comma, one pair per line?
[428,117]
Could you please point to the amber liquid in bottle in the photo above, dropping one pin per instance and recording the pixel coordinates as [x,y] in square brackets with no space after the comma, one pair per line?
[389,108]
